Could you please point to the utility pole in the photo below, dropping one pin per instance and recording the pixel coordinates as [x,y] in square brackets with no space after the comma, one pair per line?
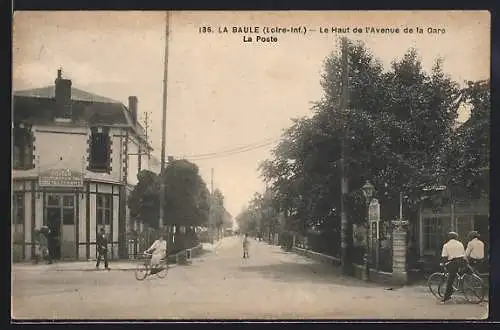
[146,128]
[140,153]
[344,186]
[211,211]
[163,124]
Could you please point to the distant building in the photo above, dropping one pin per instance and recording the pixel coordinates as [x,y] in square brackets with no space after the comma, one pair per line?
[76,156]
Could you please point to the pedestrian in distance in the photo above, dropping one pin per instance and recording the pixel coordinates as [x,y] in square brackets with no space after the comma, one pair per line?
[102,249]
[246,243]
[453,254]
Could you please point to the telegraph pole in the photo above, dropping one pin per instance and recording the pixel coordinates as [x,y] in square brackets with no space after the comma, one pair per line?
[211,211]
[140,153]
[146,128]
[344,222]
[163,124]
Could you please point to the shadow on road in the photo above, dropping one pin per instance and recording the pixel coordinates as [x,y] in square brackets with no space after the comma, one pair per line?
[311,273]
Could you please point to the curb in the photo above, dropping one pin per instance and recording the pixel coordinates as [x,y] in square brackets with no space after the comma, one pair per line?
[90,269]
[101,270]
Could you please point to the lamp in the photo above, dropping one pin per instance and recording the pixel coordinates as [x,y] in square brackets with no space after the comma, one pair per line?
[368,191]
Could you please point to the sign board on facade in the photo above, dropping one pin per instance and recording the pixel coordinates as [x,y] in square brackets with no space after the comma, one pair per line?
[374,214]
[61,178]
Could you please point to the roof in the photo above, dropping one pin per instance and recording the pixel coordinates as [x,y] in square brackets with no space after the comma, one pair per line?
[40,103]
[76,94]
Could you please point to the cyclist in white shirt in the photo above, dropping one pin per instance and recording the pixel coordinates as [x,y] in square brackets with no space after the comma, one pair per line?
[454,254]
[159,251]
[475,249]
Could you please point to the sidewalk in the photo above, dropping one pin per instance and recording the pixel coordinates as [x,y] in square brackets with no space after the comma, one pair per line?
[76,266]
[126,265]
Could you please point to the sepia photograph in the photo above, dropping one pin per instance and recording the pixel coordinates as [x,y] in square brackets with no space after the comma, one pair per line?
[250,165]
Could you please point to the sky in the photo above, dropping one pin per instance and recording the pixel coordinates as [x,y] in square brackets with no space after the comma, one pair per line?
[224,93]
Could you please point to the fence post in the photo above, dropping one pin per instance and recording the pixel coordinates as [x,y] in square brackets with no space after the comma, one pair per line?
[399,237]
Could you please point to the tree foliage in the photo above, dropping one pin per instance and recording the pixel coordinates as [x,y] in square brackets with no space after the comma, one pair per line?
[144,200]
[222,218]
[187,198]
[186,195]
[399,134]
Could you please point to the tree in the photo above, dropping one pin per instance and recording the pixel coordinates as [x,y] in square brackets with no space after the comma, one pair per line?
[144,200]
[395,128]
[219,213]
[186,195]
[465,161]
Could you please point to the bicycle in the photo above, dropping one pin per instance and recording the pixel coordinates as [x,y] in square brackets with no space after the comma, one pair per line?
[144,269]
[468,283]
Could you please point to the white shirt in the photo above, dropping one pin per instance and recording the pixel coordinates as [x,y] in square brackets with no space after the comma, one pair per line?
[159,247]
[453,249]
[475,249]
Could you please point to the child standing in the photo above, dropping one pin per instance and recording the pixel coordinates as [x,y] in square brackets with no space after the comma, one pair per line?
[245,247]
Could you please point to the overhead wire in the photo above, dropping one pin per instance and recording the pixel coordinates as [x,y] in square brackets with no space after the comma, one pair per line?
[233,151]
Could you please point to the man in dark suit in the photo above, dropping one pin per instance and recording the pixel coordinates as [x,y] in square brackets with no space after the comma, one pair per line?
[51,242]
[102,249]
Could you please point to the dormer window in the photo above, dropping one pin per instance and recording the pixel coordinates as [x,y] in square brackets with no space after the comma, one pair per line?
[99,150]
[22,147]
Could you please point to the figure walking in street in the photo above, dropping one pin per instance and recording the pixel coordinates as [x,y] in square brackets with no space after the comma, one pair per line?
[246,242]
[102,249]
[475,250]
[454,254]
[159,251]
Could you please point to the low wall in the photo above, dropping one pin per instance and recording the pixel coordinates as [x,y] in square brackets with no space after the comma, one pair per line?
[375,275]
[323,258]
[185,256]
[195,251]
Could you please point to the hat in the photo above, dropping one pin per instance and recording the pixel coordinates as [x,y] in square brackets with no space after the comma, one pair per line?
[452,235]
[474,234]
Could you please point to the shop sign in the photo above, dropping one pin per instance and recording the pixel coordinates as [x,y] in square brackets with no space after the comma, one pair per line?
[61,178]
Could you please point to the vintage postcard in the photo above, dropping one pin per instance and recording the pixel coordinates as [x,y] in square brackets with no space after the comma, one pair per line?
[250,165]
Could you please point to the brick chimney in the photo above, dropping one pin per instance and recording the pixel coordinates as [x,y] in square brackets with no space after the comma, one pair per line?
[63,97]
[132,107]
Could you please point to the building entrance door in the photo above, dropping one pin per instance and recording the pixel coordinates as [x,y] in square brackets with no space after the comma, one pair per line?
[60,215]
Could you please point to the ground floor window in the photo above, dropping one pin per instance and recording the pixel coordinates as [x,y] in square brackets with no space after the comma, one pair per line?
[18,218]
[434,233]
[104,211]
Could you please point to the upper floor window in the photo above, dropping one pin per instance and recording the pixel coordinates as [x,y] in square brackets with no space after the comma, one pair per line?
[22,147]
[100,150]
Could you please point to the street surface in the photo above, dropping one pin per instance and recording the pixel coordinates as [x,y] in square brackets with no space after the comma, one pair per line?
[272,284]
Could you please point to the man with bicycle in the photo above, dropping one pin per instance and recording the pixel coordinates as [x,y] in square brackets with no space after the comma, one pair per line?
[475,250]
[454,254]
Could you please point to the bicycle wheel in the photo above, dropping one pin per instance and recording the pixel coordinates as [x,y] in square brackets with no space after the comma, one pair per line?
[141,272]
[473,288]
[162,273]
[437,284]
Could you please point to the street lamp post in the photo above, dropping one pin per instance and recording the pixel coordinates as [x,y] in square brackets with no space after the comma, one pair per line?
[368,191]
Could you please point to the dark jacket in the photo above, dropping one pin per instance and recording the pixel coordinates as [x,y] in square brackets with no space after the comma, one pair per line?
[102,242]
